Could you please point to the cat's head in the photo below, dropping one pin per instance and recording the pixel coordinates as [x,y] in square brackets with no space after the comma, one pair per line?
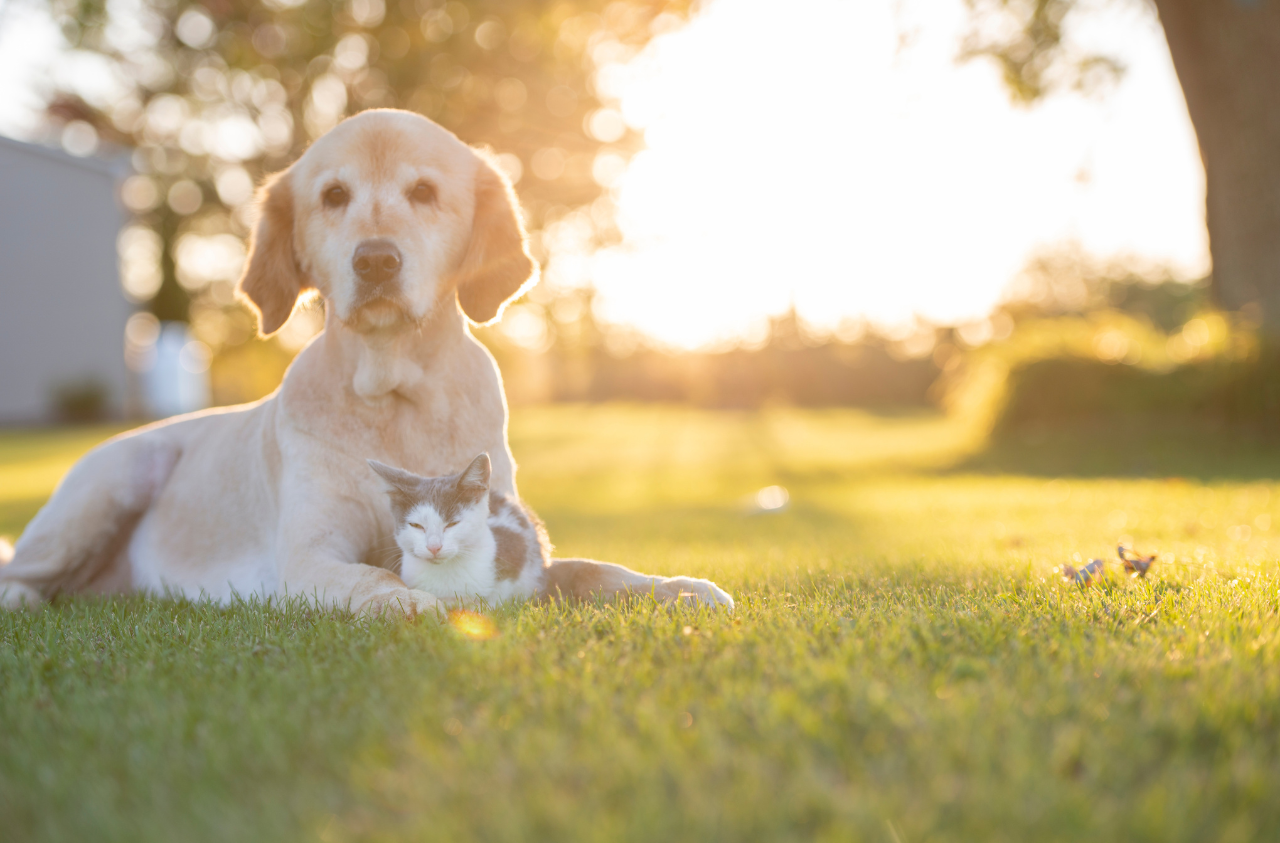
[439,518]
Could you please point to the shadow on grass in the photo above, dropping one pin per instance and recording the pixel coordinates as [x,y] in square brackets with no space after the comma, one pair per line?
[1202,451]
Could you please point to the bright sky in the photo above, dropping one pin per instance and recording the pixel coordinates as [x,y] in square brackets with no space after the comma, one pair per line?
[27,38]
[796,154]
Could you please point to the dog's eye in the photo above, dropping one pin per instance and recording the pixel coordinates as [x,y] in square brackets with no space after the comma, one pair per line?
[417,526]
[423,193]
[335,196]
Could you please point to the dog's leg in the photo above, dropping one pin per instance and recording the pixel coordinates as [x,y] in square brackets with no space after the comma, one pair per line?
[320,575]
[584,579]
[322,540]
[82,526]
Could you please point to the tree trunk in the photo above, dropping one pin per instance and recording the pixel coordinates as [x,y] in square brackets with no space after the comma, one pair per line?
[1227,56]
[171,302]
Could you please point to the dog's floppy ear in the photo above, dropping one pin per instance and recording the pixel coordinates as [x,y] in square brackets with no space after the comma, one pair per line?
[272,279]
[497,266]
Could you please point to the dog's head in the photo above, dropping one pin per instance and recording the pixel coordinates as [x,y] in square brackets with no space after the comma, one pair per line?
[387,216]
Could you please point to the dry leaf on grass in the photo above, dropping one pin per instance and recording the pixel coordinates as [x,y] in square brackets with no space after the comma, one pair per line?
[1095,570]
[1135,564]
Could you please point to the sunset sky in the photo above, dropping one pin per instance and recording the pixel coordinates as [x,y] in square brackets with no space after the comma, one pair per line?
[834,156]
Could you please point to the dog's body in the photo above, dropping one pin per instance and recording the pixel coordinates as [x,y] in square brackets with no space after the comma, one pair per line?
[387,217]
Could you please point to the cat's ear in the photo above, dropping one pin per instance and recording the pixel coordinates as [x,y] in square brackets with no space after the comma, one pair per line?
[396,478]
[476,476]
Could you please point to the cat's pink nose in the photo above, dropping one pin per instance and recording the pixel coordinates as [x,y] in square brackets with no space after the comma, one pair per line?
[434,547]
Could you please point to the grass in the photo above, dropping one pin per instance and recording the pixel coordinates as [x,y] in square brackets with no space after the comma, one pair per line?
[904,663]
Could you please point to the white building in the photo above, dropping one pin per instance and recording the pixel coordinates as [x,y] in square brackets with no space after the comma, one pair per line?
[62,310]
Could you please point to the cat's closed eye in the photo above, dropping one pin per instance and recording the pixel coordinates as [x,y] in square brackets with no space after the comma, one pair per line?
[451,524]
[417,526]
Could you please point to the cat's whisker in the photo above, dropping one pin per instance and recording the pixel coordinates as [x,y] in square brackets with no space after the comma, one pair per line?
[387,556]
[383,557]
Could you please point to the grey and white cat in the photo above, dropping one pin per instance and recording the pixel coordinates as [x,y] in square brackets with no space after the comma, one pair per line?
[460,541]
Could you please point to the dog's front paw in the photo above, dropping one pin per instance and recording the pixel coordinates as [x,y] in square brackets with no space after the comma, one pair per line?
[404,602]
[15,596]
[690,590]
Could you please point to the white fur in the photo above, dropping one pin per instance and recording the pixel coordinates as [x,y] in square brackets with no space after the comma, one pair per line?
[14,595]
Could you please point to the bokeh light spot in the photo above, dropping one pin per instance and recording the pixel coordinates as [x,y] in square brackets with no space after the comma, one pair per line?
[473,625]
[772,498]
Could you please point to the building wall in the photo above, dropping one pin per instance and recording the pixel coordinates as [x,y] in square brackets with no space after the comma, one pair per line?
[62,311]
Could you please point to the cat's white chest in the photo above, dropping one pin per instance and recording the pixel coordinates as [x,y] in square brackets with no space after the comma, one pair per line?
[466,577]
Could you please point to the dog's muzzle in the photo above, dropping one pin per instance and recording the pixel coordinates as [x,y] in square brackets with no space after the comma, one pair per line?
[379,298]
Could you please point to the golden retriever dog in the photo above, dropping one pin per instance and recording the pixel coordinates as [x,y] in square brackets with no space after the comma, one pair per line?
[407,233]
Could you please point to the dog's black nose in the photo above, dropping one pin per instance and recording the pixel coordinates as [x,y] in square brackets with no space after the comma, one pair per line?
[376,261]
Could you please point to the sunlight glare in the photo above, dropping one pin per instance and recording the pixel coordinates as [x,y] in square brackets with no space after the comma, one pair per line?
[473,625]
[796,156]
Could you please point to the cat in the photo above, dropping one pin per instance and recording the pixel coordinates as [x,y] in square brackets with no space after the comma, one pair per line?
[463,542]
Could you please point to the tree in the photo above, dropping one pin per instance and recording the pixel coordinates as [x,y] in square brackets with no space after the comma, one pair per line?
[1227,57]
[214,94]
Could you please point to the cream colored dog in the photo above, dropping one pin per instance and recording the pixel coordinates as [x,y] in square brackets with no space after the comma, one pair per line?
[402,229]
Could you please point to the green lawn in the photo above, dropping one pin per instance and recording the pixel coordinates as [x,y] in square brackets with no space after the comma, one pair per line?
[903,665]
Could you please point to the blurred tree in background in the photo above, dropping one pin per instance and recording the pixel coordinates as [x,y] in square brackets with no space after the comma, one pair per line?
[555,350]
[1067,281]
[1227,57]
[214,94]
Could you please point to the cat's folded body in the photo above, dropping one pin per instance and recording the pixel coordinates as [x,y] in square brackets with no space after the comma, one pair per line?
[463,542]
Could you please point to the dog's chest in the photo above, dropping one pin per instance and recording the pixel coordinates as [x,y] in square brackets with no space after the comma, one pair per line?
[438,437]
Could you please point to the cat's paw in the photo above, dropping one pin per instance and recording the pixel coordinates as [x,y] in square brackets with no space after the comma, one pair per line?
[690,590]
[404,602]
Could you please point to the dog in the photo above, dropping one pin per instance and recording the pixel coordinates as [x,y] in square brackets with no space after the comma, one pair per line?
[408,235]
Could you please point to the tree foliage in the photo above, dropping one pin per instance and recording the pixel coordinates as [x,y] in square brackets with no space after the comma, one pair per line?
[214,94]
[1028,39]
